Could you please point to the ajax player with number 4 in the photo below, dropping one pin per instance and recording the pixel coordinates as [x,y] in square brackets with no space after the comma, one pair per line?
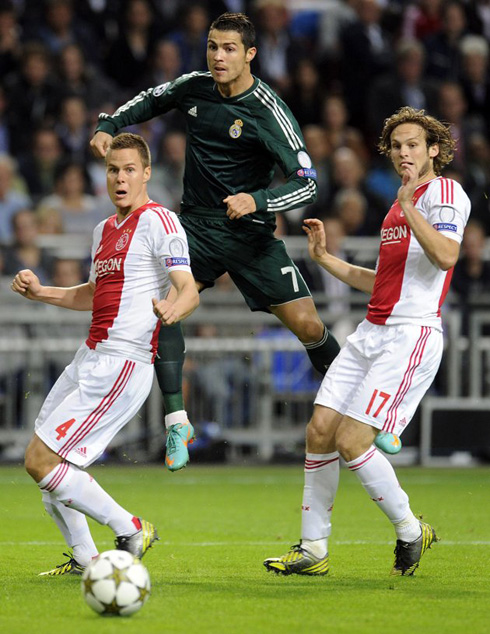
[140,279]
[380,376]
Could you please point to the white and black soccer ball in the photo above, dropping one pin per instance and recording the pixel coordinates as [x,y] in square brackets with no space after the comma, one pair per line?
[116,583]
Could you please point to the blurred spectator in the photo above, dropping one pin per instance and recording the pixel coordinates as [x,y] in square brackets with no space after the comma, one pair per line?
[77,77]
[4,126]
[382,180]
[337,15]
[70,207]
[306,93]
[24,252]
[11,199]
[442,48]
[10,34]
[61,26]
[471,277]
[319,149]
[276,50]
[169,168]
[453,109]
[128,57]
[67,272]
[32,96]
[350,207]
[191,37]
[339,133]
[349,177]
[73,129]
[39,165]
[365,54]
[474,78]
[477,178]
[404,86]
[166,64]
[422,19]
[478,12]
[477,172]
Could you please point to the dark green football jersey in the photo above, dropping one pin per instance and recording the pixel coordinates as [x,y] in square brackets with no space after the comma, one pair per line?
[233,144]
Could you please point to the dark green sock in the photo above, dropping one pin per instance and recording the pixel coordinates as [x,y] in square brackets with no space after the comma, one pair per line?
[168,366]
[323,352]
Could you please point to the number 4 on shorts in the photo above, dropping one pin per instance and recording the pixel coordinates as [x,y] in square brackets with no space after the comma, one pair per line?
[62,429]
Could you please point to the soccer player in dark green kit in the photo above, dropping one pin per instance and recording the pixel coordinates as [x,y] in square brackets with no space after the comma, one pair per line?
[237,130]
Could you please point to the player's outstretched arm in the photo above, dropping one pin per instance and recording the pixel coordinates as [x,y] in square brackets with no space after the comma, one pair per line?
[182,300]
[356,276]
[99,144]
[27,284]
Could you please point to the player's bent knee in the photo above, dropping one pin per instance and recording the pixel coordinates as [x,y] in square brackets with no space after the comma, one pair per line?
[320,435]
[311,330]
[39,460]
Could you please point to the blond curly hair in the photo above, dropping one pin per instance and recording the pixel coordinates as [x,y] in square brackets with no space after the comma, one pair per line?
[436,132]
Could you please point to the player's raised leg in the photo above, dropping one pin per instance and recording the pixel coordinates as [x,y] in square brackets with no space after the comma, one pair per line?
[301,317]
[168,367]
[378,478]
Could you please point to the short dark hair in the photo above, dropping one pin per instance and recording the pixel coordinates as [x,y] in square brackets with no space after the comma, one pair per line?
[130,141]
[436,133]
[238,22]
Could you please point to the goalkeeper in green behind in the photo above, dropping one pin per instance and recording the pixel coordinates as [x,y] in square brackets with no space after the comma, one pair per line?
[238,129]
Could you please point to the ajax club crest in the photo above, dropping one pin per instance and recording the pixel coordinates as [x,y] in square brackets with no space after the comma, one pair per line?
[122,242]
[236,129]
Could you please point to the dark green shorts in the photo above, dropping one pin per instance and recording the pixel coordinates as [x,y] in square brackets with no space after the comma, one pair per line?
[256,261]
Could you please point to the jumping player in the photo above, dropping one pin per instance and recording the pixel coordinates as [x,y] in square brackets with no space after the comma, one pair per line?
[237,131]
[140,277]
[387,365]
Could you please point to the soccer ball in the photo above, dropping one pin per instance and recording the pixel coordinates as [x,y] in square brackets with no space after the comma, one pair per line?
[116,583]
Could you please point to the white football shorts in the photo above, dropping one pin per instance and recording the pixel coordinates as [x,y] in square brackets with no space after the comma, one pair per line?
[382,373]
[95,396]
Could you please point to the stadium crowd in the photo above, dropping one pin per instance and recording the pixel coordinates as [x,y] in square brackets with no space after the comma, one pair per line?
[341,65]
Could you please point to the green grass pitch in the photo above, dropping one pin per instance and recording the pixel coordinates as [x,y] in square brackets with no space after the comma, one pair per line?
[217,524]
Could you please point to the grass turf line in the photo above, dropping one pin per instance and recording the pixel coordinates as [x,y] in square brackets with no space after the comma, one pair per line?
[217,524]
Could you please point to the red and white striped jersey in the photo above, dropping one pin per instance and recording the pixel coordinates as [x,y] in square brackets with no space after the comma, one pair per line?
[409,288]
[131,261]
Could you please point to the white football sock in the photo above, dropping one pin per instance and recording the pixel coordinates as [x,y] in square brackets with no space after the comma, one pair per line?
[74,528]
[78,490]
[378,478]
[320,488]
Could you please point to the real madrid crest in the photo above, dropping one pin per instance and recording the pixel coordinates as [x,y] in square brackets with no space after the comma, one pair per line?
[236,129]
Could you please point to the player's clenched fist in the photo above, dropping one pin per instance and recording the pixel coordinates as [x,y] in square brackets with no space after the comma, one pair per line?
[26,283]
[100,143]
[165,311]
[239,205]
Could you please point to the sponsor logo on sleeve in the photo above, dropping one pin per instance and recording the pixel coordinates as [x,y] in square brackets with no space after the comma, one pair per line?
[307,173]
[445,226]
[170,262]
